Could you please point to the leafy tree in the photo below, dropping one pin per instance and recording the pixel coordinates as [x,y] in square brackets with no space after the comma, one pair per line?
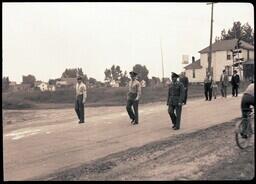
[5,83]
[245,32]
[124,79]
[52,81]
[92,81]
[30,79]
[108,76]
[114,73]
[72,73]
[142,72]
[156,80]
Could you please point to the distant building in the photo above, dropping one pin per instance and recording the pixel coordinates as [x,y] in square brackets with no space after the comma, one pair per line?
[51,88]
[37,83]
[43,86]
[66,82]
[222,58]
[114,84]
[143,83]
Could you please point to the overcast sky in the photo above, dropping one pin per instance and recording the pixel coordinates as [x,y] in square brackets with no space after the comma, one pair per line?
[44,39]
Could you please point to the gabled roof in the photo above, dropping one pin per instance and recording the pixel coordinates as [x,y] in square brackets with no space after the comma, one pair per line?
[223,45]
[194,65]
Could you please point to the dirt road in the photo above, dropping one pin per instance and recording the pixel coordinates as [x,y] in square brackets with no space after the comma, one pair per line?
[51,145]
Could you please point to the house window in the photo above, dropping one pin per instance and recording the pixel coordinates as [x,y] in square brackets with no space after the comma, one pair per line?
[228,57]
[194,73]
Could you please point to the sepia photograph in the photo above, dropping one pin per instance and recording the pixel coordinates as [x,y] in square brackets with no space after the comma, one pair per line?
[128,91]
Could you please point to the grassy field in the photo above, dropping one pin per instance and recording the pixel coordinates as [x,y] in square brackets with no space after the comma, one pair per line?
[96,97]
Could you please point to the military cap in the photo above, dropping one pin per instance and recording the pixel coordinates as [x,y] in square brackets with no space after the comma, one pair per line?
[79,78]
[175,75]
[235,71]
[133,73]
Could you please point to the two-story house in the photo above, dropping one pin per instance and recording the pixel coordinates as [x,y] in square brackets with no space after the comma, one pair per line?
[222,58]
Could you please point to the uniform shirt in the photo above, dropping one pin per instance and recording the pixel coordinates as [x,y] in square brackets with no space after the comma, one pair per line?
[184,81]
[235,79]
[81,89]
[135,87]
[224,79]
[250,90]
[176,93]
[208,79]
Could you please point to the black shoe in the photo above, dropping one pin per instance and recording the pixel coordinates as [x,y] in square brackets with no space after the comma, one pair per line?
[81,122]
[135,123]
[175,128]
[244,136]
[132,121]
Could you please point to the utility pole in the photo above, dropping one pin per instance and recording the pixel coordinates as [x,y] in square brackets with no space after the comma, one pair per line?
[210,49]
[162,60]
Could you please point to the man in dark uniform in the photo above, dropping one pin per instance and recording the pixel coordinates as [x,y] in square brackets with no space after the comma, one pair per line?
[184,81]
[133,96]
[208,87]
[175,100]
[235,80]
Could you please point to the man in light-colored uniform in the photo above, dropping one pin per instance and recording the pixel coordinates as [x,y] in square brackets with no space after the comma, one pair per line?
[80,99]
[133,96]
[224,83]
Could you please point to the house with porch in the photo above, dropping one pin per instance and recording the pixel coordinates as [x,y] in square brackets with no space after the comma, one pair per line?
[222,58]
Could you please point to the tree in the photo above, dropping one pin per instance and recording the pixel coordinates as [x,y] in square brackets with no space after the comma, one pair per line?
[52,81]
[155,81]
[30,79]
[92,81]
[124,79]
[5,83]
[113,74]
[142,72]
[245,32]
[72,73]
[108,76]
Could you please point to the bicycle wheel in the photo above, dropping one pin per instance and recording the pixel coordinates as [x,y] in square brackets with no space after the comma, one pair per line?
[241,142]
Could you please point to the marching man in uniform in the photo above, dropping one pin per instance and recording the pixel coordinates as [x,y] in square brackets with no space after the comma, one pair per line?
[175,100]
[133,96]
[80,99]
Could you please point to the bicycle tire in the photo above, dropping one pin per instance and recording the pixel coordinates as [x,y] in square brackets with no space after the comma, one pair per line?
[241,142]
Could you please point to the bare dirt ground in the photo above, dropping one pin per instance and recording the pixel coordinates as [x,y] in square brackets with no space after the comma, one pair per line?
[51,145]
[209,154]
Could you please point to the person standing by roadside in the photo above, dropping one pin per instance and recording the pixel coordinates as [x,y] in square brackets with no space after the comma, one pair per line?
[208,87]
[133,96]
[80,99]
[235,80]
[184,81]
[214,89]
[175,100]
[224,83]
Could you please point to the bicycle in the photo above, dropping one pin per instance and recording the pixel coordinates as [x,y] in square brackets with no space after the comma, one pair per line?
[245,138]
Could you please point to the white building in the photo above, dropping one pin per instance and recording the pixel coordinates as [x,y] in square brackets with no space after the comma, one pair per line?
[143,83]
[222,58]
[43,86]
[114,84]
[51,88]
